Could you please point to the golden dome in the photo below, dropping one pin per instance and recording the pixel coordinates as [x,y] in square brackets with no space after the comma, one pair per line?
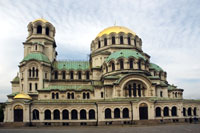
[40,19]
[22,96]
[115,29]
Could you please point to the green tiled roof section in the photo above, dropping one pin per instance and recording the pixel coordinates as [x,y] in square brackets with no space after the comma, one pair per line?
[125,54]
[171,87]
[36,56]
[156,67]
[72,65]
[13,94]
[69,87]
[16,79]
[153,77]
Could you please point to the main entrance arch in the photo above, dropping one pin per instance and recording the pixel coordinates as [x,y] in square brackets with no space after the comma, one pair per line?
[143,111]
[18,113]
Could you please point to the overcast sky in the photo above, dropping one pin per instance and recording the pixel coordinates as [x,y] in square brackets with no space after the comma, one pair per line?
[170,31]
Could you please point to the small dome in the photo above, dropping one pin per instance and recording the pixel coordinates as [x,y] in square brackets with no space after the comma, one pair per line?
[40,19]
[22,96]
[115,29]
[156,67]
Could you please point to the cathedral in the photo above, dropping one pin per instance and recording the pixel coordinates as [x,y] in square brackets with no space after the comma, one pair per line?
[118,84]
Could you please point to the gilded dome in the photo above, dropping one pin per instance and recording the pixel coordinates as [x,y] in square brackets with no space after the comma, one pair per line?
[22,96]
[115,29]
[40,19]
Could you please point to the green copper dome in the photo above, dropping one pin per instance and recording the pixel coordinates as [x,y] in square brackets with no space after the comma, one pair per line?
[156,67]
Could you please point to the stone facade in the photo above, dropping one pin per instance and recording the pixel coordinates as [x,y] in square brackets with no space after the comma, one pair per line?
[117,85]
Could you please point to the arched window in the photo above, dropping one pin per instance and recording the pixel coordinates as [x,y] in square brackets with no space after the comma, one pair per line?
[47,115]
[71,75]
[39,29]
[129,91]
[87,75]
[113,40]
[36,114]
[99,44]
[174,111]
[195,111]
[105,41]
[36,86]
[125,113]
[121,40]
[74,115]
[184,112]
[33,71]
[113,66]
[121,62]
[79,75]
[56,75]
[65,114]
[166,111]
[91,114]
[131,63]
[37,71]
[57,95]
[117,113]
[84,95]
[29,72]
[176,94]
[161,94]
[72,95]
[158,112]
[139,64]
[53,95]
[30,86]
[83,114]
[88,95]
[47,31]
[63,75]
[189,111]
[36,47]
[68,95]
[107,113]
[56,114]
[129,41]
[135,41]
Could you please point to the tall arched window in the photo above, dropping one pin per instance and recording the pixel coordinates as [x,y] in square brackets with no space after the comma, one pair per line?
[113,40]
[135,42]
[139,64]
[36,86]
[79,75]
[56,114]
[113,66]
[121,40]
[131,63]
[37,72]
[65,114]
[72,95]
[107,113]
[36,114]
[63,75]
[57,95]
[56,75]
[71,75]
[99,44]
[33,71]
[84,95]
[30,86]
[87,75]
[39,29]
[166,111]
[121,62]
[125,113]
[195,111]
[129,41]
[53,95]
[74,115]
[184,112]
[105,41]
[47,114]
[161,94]
[174,111]
[88,95]
[158,112]
[117,113]
[91,114]
[83,114]
[68,95]
[189,111]
[29,71]
[47,31]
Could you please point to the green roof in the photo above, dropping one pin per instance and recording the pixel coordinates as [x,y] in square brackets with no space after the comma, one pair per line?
[156,67]
[69,88]
[72,65]
[125,54]
[16,79]
[13,94]
[36,56]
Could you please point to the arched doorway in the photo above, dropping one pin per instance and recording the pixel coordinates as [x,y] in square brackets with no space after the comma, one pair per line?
[143,110]
[18,113]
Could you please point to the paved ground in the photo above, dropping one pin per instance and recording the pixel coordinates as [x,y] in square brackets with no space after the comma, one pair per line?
[180,128]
